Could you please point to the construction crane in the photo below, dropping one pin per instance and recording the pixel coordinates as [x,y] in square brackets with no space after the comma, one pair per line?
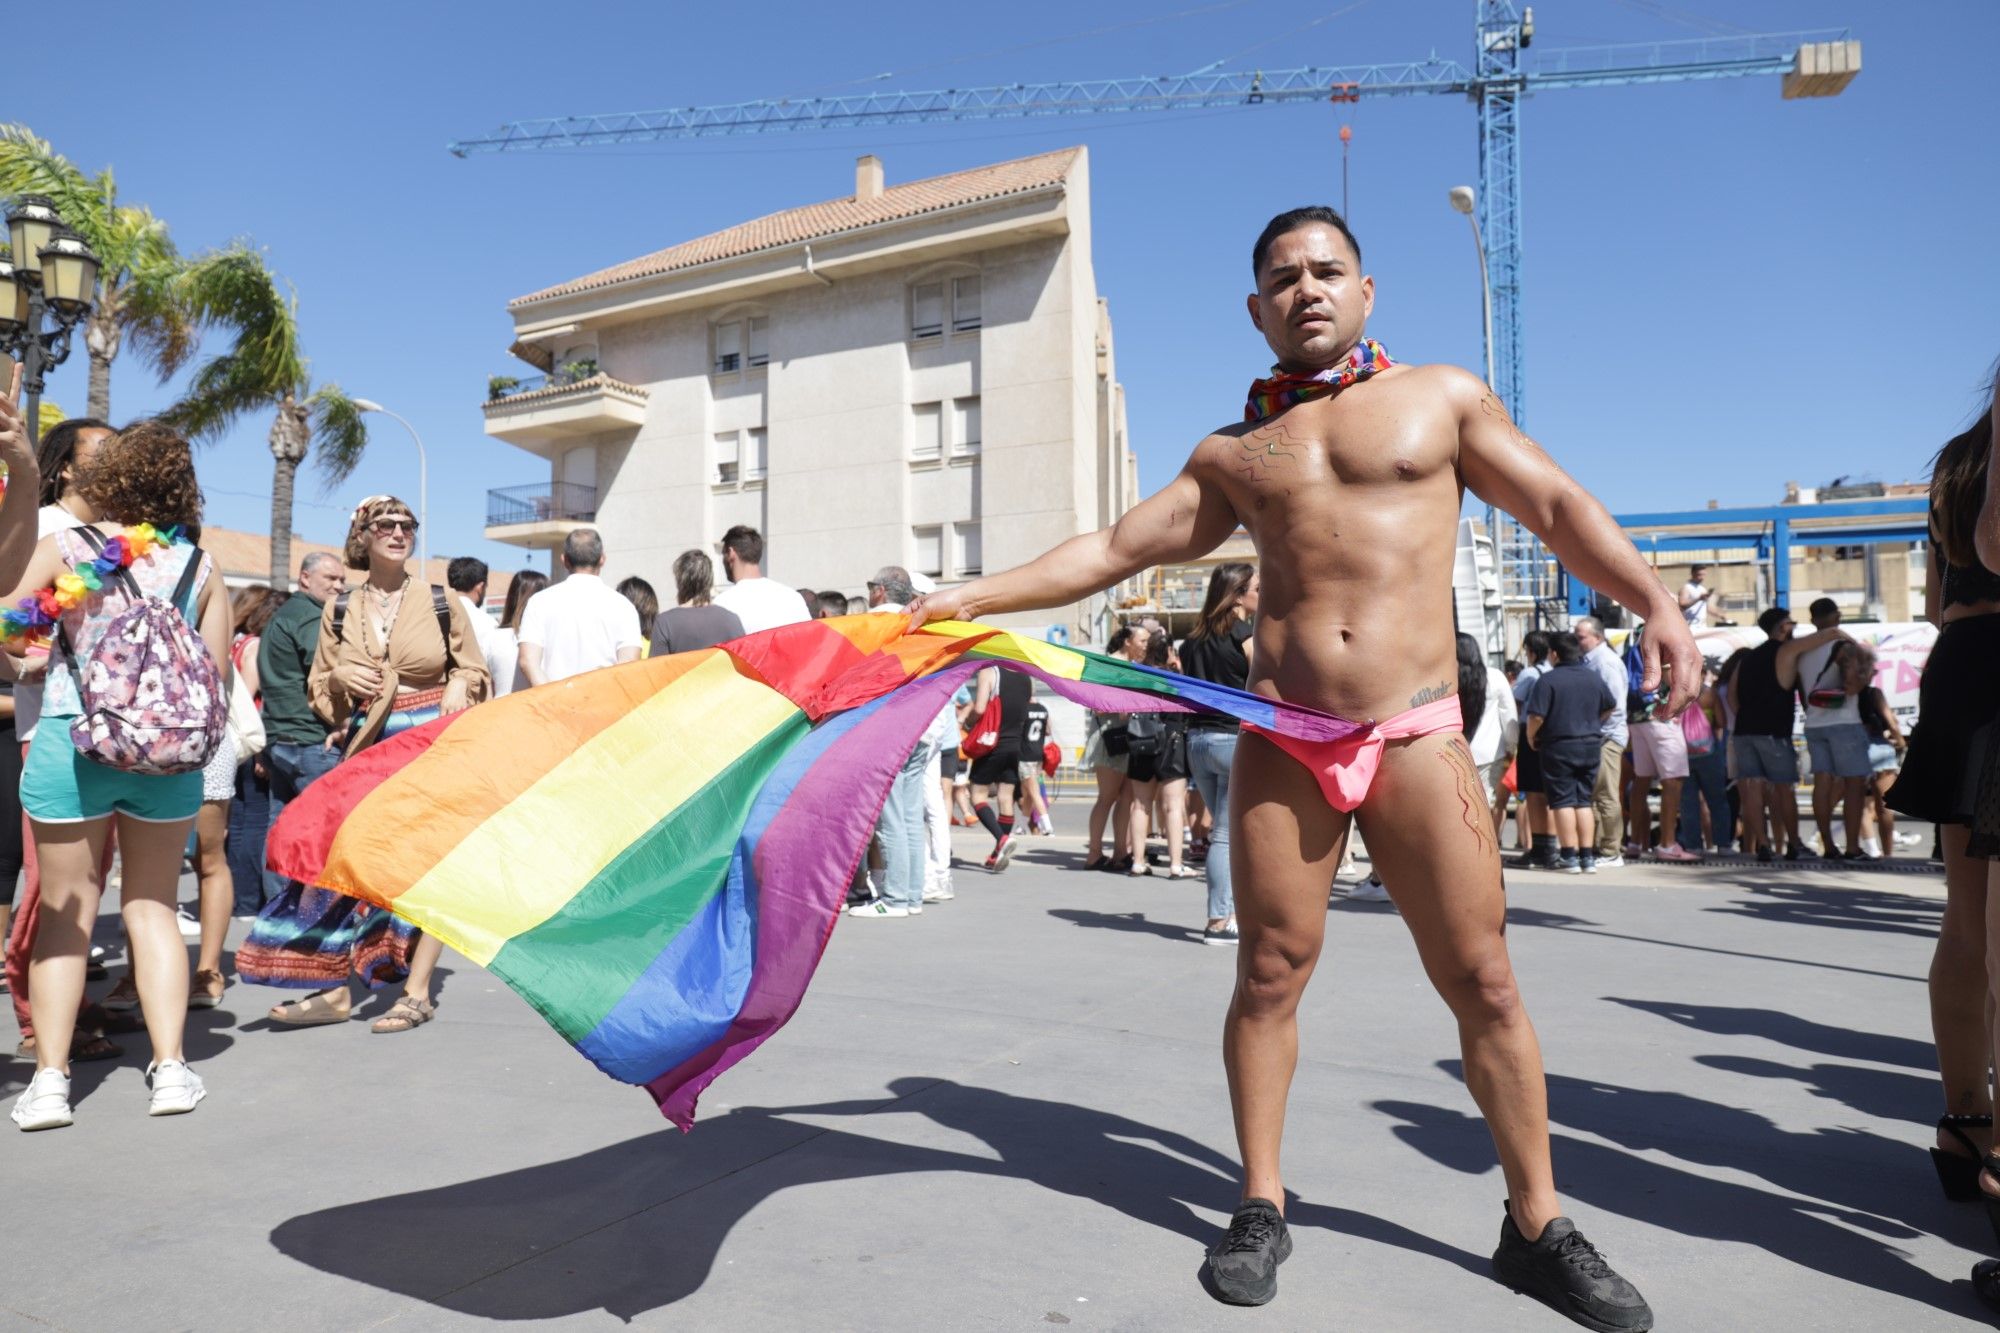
[1810,64]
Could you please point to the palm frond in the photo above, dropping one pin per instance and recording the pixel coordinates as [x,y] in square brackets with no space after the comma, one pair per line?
[340,433]
[31,165]
[234,290]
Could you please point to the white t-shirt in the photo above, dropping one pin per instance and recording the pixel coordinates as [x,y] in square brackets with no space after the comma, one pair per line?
[504,662]
[580,625]
[1697,614]
[1812,663]
[762,604]
[49,520]
[1499,724]
[486,633]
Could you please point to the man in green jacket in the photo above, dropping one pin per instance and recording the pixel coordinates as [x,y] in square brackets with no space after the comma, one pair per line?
[296,748]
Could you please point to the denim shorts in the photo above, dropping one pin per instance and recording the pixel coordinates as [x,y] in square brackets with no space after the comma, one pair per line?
[1765,759]
[1882,757]
[1840,750]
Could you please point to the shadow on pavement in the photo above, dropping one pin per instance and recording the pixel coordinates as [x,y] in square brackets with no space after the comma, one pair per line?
[635,1226]
[1842,908]
[1800,1034]
[1812,1234]
[1131,922]
[1887,1093]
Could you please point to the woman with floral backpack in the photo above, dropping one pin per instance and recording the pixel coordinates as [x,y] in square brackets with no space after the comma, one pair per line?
[134,707]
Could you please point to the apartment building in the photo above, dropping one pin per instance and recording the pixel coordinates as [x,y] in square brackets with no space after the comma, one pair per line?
[917,374]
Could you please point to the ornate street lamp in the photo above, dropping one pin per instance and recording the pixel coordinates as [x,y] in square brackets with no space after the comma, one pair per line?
[46,290]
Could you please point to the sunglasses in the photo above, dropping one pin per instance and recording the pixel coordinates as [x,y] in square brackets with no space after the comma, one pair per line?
[383,527]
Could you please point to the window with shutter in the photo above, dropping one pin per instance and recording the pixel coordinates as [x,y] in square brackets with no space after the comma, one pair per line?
[928,551]
[729,347]
[760,342]
[927,430]
[726,459]
[965,549]
[965,425]
[927,310]
[965,304]
[754,459]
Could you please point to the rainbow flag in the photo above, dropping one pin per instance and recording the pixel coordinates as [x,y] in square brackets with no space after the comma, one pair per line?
[654,855]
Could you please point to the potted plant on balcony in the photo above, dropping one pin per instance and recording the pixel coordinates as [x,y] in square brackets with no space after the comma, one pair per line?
[499,386]
[577,371]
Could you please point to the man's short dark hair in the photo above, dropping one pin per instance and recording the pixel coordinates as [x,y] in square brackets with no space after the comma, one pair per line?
[1291,220]
[465,573]
[1771,619]
[1535,643]
[1822,608]
[583,549]
[1697,571]
[747,542]
[1566,649]
[832,604]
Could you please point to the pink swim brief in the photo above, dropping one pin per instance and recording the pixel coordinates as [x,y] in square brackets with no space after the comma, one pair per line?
[1346,768]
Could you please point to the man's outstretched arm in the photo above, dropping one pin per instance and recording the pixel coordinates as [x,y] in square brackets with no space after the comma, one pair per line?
[1184,521]
[1504,467]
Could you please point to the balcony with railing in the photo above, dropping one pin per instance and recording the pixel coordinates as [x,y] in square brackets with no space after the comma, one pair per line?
[539,517]
[540,412]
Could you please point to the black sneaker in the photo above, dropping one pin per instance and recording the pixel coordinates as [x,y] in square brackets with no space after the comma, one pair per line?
[1244,1264]
[1797,852]
[1765,856]
[1566,1273]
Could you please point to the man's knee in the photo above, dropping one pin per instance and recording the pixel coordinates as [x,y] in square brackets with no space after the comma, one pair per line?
[1272,972]
[1482,992]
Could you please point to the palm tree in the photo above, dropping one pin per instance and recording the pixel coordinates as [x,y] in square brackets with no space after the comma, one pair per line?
[138,277]
[264,369]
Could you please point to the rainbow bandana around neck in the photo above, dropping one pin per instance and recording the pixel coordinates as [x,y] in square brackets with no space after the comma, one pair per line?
[1284,389]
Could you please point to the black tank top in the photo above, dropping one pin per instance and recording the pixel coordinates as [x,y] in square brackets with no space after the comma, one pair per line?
[1763,707]
[1015,691]
[1966,584]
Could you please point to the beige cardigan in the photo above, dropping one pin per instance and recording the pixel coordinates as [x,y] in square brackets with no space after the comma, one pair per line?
[416,659]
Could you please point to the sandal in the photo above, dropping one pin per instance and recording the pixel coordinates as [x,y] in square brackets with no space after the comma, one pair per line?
[88,1046]
[1182,872]
[1097,864]
[205,989]
[311,1012]
[406,1013]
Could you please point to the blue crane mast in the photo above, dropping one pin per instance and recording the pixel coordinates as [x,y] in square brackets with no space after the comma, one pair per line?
[1811,64]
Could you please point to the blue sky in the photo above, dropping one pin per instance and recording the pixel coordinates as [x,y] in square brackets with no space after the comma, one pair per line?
[1724,290]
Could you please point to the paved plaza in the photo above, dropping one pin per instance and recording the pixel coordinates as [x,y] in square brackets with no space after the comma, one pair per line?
[1010,1113]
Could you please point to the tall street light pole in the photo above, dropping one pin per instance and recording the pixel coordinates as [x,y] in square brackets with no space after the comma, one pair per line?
[49,278]
[423,486]
[1464,200]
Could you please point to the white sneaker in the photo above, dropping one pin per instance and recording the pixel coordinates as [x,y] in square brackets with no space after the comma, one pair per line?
[878,908]
[1370,890]
[45,1102]
[1907,839]
[1872,846]
[190,926]
[1611,862]
[176,1088]
[938,893]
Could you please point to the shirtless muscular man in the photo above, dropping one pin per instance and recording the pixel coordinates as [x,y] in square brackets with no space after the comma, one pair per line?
[1349,477]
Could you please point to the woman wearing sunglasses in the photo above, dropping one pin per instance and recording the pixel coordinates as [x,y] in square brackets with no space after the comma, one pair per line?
[393,654]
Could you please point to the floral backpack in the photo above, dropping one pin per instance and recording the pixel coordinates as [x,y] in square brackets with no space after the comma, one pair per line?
[152,697]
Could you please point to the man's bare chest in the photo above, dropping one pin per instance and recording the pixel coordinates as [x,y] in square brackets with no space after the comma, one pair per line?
[1390,440]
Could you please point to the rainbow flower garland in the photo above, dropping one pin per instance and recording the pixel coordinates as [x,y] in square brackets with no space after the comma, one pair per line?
[37,615]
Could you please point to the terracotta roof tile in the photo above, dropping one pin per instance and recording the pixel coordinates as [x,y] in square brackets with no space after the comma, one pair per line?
[830,218]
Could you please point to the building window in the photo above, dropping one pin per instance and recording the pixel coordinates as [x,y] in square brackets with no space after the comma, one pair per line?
[754,459]
[729,347]
[927,431]
[928,547]
[726,459]
[965,549]
[927,310]
[965,426]
[760,342]
[965,304]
